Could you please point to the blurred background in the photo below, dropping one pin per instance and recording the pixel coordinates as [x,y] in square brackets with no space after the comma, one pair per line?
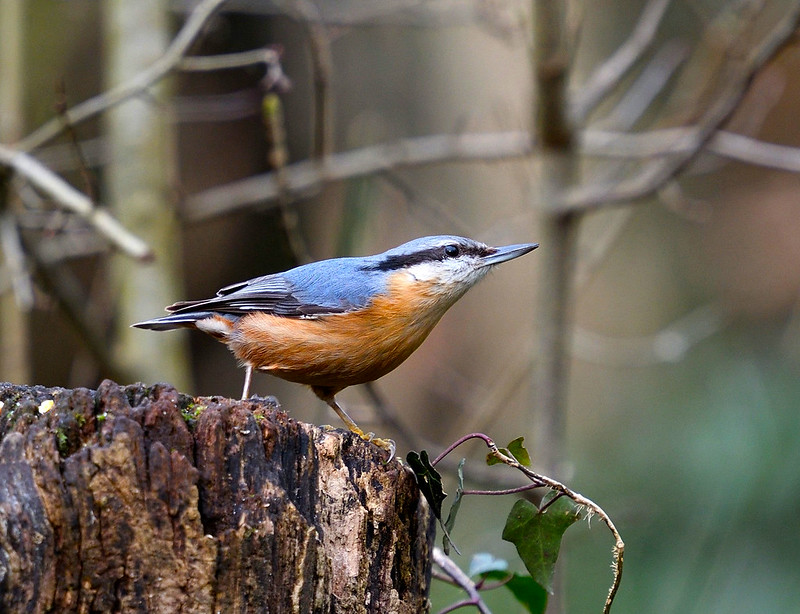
[681,409]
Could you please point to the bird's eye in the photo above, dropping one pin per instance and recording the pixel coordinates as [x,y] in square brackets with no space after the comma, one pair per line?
[451,251]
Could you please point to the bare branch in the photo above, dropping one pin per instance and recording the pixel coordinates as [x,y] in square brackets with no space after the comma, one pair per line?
[70,245]
[14,255]
[197,20]
[461,579]
[608,75]
[753,151]
[618,550]
[557,170]
[60,157]
[734,79]
[225,61]
[675,141]
[67,197]
[388,418]
[668,345]
[61,284]
[537,481]
[304,177]
[654,143]
[593,252]
[319,46]
[501,19]
[683,143]
[648,85]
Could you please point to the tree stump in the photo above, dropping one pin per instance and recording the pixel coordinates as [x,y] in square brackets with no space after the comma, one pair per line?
[137,499]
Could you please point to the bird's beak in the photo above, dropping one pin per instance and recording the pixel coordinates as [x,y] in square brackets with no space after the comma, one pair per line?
[509,252]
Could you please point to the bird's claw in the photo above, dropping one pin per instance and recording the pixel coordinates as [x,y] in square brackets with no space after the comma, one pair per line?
[387,445]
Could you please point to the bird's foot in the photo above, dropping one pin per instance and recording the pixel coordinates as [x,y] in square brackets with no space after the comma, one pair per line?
[388,445]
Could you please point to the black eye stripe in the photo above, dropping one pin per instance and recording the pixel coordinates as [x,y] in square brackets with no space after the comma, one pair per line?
[435,254]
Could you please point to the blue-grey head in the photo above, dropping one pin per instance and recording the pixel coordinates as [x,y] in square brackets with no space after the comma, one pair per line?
[446,263]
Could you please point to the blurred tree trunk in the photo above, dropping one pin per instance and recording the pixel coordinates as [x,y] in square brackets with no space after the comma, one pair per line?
[558,231]
[14,334]
[138,499]
[138,186]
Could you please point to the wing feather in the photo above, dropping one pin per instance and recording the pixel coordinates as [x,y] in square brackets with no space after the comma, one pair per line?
[311,290]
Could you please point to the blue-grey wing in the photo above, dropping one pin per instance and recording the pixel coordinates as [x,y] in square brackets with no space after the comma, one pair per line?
[328,286]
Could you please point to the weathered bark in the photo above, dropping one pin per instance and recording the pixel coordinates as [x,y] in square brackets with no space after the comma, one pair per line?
[141,499]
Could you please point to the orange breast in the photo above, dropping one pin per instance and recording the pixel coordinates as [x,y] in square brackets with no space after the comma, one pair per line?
[341,350]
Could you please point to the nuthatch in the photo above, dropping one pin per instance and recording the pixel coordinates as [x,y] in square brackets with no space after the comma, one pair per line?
[336,323]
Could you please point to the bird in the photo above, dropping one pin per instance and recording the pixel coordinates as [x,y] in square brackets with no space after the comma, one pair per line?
[336,323]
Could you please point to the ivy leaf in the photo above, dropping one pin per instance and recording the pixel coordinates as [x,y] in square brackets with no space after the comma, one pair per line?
[491,459]
[537,535]
[451,516]
[524,588]
[428,480]
[517,449]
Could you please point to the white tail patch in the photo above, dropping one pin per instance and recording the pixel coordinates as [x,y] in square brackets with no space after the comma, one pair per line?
[216,326]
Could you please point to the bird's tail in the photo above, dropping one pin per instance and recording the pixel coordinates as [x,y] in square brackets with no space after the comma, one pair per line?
[178,320]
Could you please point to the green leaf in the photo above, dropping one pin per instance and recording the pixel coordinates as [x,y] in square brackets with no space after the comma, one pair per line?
[491,459]
[518,451]
[524,588]
[451,516]
[515,450]
[428,480]
[537,535]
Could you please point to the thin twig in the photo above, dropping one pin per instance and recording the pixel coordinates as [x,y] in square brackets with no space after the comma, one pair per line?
[16,263]
[558,230]
[226,61]
[560,489]
[648,85]
[77,152]
[486,439]
[668,345]
[735,79]
[277,157]
[306,176]
[677,141]
[60,157]
[654,143]
[67,197]
[319,45]
[618,550]
[60,284]
[388,418]
[508,382]
[505,491]
[752,151]
[609,74]
[429,209]
[446,564]
[310,175]
[136,86]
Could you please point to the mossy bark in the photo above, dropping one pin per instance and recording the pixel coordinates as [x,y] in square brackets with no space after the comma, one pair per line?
[138,499]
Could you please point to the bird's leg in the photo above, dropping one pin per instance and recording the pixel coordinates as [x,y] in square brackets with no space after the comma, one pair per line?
[248,376]
[383,444]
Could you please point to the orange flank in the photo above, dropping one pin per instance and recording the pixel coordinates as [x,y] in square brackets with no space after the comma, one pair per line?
[343,349]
